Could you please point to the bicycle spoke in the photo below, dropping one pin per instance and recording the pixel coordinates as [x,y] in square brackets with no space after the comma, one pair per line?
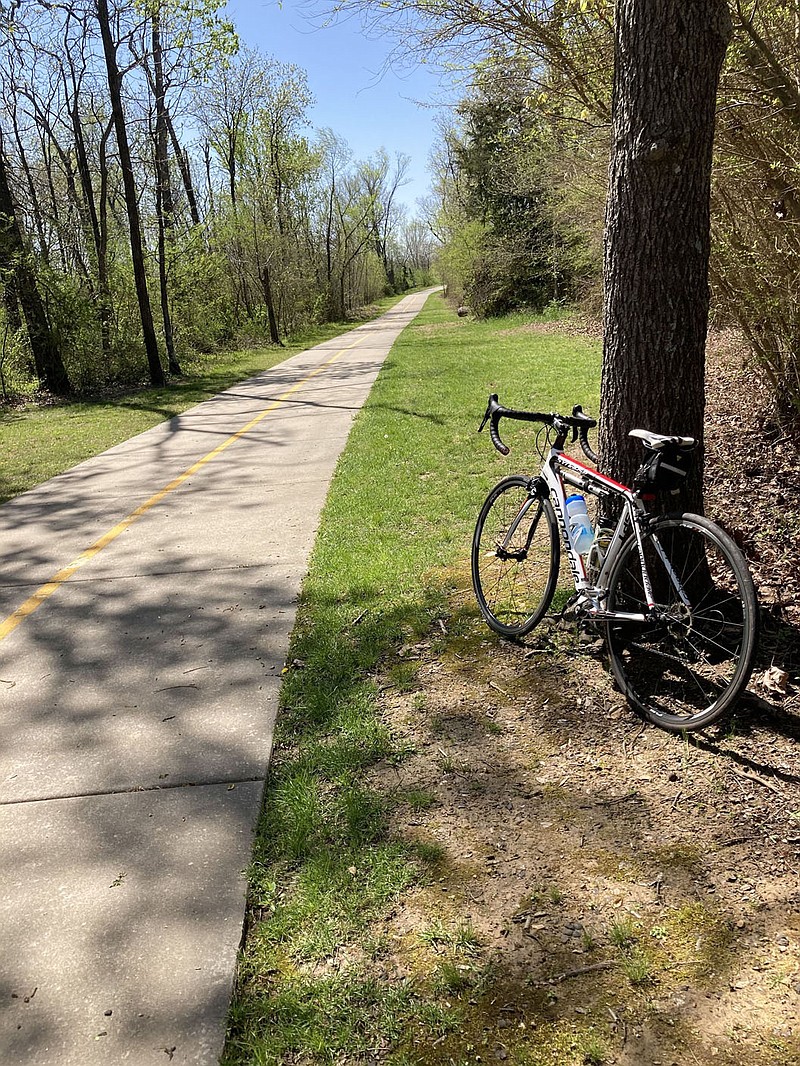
[514,558]
[683,669]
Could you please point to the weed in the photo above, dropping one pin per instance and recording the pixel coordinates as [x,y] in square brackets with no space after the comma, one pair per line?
[594,1050]
[638,967]
[448,764]
[465,939]
[588,940]
[435,934]
[376,947]
[461,938]
[454,977]
[623,933]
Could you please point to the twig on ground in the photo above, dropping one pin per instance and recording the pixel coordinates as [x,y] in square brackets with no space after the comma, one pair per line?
[758,780]
[581,970]
[733,842]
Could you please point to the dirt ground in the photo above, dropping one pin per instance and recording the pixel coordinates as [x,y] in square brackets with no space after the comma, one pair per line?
[594,875]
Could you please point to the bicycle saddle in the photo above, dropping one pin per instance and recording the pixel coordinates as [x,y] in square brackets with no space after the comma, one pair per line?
[656,441]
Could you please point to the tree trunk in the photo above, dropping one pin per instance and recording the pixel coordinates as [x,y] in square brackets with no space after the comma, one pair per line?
[102,231]
[14,263]
[182,157]
[137,252]
[165,207]
[33,198]
[90,215]
[668,57]
[11,303]
[266,286]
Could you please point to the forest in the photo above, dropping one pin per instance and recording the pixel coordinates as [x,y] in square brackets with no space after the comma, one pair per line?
[162,193]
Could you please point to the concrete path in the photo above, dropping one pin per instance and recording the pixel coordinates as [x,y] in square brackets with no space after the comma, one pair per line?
[146,599]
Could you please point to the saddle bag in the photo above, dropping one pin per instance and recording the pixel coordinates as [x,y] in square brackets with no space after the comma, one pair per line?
[664,470]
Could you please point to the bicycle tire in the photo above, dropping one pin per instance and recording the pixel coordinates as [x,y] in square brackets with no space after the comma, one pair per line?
[686,670]
[515,584]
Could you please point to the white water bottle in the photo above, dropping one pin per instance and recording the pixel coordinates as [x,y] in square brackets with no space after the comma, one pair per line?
[580,527]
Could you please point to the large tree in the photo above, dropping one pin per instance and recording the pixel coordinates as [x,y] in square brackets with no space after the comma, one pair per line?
[157,376]
[668,58]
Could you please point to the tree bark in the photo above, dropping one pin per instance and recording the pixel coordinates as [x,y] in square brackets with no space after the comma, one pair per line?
[123,147]
[668,58]
[14,263]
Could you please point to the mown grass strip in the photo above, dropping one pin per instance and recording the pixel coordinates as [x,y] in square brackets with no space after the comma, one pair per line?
[42,441]
[392,544]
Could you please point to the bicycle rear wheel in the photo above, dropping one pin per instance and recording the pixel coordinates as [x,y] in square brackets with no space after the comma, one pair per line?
[686,667]
[515,557]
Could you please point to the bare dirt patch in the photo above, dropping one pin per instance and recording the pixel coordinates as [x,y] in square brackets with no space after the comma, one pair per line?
[603,891]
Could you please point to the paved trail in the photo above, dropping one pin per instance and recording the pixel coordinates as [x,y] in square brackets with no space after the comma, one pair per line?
[146,599]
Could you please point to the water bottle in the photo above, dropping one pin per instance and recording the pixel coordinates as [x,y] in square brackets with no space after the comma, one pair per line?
[580,527]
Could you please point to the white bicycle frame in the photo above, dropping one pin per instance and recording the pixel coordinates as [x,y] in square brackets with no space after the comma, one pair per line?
[561,468]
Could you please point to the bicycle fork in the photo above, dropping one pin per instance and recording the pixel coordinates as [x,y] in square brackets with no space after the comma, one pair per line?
[502,551]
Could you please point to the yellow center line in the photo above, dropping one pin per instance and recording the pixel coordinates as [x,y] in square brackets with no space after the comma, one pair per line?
[45,591]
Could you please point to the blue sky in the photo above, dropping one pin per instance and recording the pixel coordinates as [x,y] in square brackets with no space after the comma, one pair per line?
[369,107]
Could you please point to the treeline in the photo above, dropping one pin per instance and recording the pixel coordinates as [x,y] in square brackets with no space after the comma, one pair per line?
[521,172]
[162,193]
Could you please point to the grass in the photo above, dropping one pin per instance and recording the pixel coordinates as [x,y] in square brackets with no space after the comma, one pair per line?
[623,934]
[42,441]
[393,537]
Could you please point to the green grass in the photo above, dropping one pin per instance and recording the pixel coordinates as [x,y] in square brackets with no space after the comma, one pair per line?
[42,441]
[392,544]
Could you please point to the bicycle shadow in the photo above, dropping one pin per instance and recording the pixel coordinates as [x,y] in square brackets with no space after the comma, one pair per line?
[763,709]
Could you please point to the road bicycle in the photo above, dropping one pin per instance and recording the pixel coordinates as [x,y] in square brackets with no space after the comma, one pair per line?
[670,593]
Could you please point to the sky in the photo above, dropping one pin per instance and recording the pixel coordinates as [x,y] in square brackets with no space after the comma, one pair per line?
[368,106]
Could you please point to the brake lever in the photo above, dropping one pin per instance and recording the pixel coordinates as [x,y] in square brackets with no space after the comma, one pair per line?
[488,415]
[576,410]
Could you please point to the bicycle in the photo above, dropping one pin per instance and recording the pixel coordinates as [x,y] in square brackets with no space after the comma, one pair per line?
[670,593]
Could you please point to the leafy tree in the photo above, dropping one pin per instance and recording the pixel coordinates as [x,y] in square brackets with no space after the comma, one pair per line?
[498,205]
[98,100]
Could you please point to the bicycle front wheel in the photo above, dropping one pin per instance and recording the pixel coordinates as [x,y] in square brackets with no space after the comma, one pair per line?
[515,557]
[686,666]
